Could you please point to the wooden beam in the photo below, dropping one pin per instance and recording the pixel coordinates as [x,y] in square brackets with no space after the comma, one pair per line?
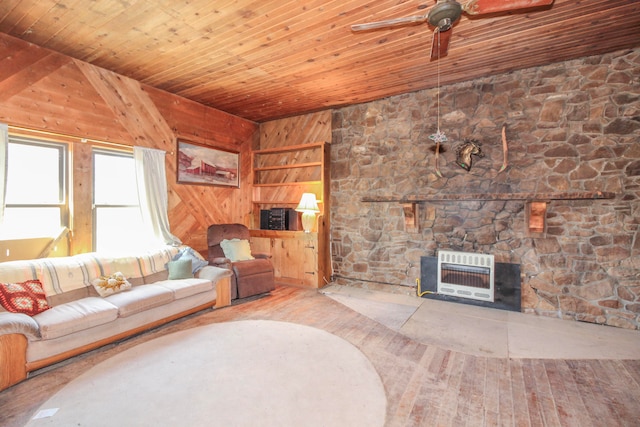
[578,195]
[132,106]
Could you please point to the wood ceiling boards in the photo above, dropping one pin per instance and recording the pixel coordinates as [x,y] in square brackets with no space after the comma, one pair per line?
[263,60]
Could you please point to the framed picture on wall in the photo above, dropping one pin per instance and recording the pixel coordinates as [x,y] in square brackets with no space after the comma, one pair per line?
[205,165]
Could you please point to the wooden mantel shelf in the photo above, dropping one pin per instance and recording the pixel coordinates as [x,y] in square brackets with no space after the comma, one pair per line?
[580,195]
[536,204]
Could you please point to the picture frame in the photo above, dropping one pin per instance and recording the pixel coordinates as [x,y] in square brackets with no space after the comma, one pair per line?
[199,164]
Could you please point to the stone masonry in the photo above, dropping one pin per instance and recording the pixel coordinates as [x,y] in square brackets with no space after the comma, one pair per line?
[571,126]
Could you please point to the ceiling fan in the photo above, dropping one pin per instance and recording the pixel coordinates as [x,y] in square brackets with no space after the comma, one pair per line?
[446,12]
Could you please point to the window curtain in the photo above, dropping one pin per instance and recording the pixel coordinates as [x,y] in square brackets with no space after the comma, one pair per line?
[152,192]
[4,145]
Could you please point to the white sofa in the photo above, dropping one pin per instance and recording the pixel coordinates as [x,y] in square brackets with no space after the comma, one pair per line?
[80,319]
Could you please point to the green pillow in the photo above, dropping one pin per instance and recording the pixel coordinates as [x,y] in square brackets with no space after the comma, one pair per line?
[197,262]
[180,269]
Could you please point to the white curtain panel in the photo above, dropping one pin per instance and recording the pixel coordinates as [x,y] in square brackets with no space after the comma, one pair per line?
[4,144]
[152,192]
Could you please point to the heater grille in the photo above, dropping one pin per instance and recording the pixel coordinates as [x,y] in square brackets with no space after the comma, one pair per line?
[466,275]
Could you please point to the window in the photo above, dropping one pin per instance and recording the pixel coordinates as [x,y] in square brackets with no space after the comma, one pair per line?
[116,210]
[36,203]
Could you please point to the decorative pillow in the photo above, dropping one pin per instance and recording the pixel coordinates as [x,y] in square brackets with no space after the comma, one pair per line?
[25,297]
[236,249]
[109,285]
[180,269]
[197,262]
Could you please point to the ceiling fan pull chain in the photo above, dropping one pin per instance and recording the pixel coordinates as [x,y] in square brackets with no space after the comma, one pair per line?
[438,78]
[438,137]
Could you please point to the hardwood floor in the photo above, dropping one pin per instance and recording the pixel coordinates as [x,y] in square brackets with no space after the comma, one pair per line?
[426,385]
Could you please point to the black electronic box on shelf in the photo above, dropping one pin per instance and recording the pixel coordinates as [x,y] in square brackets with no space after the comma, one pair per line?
[279,219]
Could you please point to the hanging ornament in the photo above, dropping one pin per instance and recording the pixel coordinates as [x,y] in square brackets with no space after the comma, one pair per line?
[438,137]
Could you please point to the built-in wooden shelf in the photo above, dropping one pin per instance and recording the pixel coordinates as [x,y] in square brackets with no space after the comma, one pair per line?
[290,184]
[284,149]
[578,195]
[299,165]
[281,175]
[282,202]
[536,202]
[278,233]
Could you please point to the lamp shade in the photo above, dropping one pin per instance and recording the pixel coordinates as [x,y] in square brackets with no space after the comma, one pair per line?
[308,203]
[308,206]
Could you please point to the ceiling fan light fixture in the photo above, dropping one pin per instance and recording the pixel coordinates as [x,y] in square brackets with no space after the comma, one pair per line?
[444,24]
[444,14]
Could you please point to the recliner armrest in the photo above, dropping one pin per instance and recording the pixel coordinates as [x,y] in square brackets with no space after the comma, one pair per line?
[262,255]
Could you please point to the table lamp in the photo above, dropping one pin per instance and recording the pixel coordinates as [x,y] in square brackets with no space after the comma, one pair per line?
[308,206]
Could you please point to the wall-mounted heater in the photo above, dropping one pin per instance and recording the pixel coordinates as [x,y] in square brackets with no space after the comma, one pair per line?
[466,275]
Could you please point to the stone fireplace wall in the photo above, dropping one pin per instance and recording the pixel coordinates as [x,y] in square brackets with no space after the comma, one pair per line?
[571,126]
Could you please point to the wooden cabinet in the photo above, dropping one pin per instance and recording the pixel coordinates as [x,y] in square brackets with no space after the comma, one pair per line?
[280,176]
[295,256]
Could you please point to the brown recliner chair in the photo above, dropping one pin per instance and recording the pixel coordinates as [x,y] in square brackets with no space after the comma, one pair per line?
[250,277]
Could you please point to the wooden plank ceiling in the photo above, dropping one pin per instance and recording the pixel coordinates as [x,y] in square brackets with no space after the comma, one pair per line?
[268,59]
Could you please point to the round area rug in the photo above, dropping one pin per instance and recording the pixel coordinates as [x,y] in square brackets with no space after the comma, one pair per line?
[244,373]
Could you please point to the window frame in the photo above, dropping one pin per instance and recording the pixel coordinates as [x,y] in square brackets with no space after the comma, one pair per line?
[64,166]
[97,150]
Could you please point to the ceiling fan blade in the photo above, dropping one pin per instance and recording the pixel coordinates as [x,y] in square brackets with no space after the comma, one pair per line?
[481,7]
[418,19]
[440,44]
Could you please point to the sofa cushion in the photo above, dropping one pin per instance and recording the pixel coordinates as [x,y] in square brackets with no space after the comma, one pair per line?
[180,269]
[25,297]
[140,298]
[156,261]
[66,274]
[74,316]
[128,266]
[57,299]
[186,287]
[19,271]
[156,277]
[250,268]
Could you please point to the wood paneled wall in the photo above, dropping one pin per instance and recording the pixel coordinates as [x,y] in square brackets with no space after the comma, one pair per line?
[304,129]
[50,92]
[293,131]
